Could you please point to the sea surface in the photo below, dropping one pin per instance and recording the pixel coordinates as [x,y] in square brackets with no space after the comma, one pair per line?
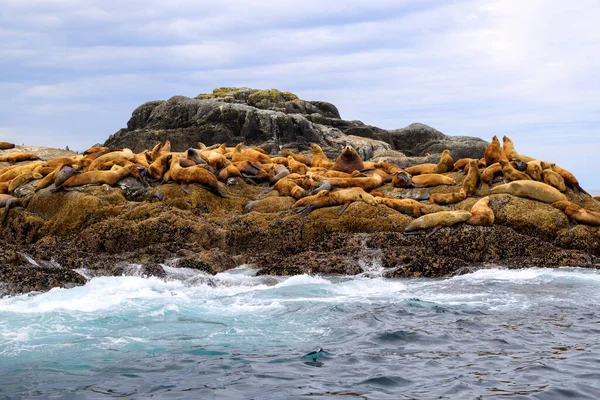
[492,334]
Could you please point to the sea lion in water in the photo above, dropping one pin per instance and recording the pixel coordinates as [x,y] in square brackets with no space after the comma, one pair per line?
[447,198]
[437,221]
[493,153]
[509,152]
[511,174]
[18,157]
[429,180]
[552,178]
[319,159]
[578,214]
[327,198]
[6,146]
[348,161]
[404,206]
[531,190]
[481,213]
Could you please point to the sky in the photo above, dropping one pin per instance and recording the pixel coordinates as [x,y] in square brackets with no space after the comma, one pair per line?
[72,71]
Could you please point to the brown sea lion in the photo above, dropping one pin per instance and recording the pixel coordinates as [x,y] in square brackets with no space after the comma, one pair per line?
[113,155]
[48,179]
[461,164]
[63,174]
[142,159]
[446,163]
[296,167]
[328,198]
[293,185]
[385,177]
[472,179]
[197,174]
[437,221]
[389,168]
[159,166]
[578,214]
[509,152]
[491,172]
[534,170]
[447,198]
[421,169]
[100,177]
[319,159]
[481,213]
[249,154]
[6,146]
[327,174]
[215,159]
[429,180]
[511,174]
[402,180]
[7,202]
[11,173]
[4,187]
[57,162]
[22,179]
[552,178]
[404,206]
[281,160]
[531,190]
[367,183]
[229,171]
[570,180]
[43,170]
[296,156]
[493,153]
[18,157]
[348,161]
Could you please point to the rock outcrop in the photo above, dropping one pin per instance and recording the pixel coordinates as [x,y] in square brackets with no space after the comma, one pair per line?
[277,120]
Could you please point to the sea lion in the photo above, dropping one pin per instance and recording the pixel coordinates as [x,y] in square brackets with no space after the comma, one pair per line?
[18,157]
[511,174]
[519,165]
[47,180]
[552,178]
[446,163]
[421,169]
[279,172]
[404,206]
[491,172]
[402,180]
[534,170]
[100,177]
[327,198]
[62,175]
[4,187]
[389,168]
[296,167]
[323,185]
[578,214]
[113,155]
[7,202]
[249,154]
[142,159]
[43,170]
[197,174]
[22,179]
[348,161]
[570,180]
[437,221]
[11,173]
[229,171]
[531,190]
[481,213]
[493,153]
[319,159]
[385,177]
[472,179]
[447,198]
[367,183]
[429,180]
[57,162]
[509,152]
[159,166]
[6,146]
[281,160]
[461,164]
[296,156]
[293,185]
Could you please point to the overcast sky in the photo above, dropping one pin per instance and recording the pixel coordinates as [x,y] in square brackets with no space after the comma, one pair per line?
[72,71]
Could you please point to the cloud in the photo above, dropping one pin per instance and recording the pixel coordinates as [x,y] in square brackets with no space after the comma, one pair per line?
[482,68]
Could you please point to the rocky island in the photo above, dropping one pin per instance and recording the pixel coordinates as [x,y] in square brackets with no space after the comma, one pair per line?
[278,202]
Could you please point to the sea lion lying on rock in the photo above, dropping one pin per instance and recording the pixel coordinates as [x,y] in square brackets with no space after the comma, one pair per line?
[327,198]
[437,221]
[531,190]
[578,214]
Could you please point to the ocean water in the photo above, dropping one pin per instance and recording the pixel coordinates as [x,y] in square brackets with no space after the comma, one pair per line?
[492,334]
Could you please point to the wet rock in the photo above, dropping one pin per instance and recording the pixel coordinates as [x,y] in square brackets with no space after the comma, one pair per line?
[212,261]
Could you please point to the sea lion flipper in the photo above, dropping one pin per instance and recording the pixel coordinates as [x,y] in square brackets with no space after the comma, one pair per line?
[343,207]
[186,188]
[433,230]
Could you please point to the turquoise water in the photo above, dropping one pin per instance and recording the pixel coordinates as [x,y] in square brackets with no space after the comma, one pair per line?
[494,333]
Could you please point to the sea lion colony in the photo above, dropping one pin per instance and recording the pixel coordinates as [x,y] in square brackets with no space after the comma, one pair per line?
[313,180]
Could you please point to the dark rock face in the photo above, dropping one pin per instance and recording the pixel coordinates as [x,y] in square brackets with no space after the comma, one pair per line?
[274,120]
